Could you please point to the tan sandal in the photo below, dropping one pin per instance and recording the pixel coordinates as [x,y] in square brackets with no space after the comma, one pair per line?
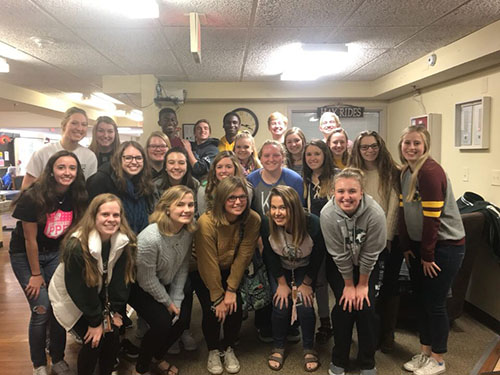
[311,356]
[278,359]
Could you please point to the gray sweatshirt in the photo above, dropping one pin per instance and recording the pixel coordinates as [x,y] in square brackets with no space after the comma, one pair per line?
[162,264]
[356,240]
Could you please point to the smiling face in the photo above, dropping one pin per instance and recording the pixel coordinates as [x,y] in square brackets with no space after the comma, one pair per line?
[64,171]
[314,157]
[182,211]
[168,123]
[157,149]
[293,144]
[412,147]
[176,167]
[278,211]
[235,204]
[369,148]
[108,219]
[243,149]
[328,123]
[132,161]
[105,135]
[201,132]
[277,127]
[76,128]
[348,194]
[338,144]
[231,126]
[224,168]
[271,158]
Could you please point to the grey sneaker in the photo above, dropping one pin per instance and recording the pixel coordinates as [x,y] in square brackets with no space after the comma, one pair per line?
[416,362]
[41,370]
[432,367]
[214,364]
[335,370]
[188,341]
[231,363]
[175,348]
[61,368]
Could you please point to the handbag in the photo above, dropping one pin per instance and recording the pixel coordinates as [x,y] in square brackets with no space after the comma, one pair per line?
[254,286]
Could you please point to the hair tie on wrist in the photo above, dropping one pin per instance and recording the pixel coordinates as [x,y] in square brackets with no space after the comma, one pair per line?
[38,274]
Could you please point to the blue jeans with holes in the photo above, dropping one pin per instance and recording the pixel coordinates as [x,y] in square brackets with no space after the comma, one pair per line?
[41,310]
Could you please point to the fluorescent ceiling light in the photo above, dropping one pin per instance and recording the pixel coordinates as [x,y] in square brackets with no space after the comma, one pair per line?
[12,53]
[92,101]
[4,65]
[308,62]
[135,9]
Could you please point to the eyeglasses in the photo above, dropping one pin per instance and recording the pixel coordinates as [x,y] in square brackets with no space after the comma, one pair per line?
[373,146]
[234,198]
[129,158]
[157,147]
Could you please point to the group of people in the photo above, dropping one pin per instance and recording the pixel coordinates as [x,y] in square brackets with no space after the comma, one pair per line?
[118,224]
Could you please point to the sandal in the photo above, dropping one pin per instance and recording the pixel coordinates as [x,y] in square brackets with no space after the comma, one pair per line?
[278,359]
[165,368]
[311,356]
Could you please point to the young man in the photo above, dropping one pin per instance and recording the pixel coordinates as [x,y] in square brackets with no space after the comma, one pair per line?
[74,129]
[169,125]
[277,123]
[231,124]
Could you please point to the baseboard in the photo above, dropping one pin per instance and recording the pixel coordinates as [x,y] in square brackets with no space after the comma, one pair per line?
[482,317]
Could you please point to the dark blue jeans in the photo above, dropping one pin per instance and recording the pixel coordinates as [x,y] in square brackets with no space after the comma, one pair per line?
[366,320]
[281,318]
[42,316]
[431,293]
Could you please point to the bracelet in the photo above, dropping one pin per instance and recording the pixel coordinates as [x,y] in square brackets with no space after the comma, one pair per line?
[38,274]
[231,289]
[304,283]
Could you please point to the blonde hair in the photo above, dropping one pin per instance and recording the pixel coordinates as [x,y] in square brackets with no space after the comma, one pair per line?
[224,189]
[161,215]
[70,112]
[161,135]
[426,138]
[350,172]
[86,225]
[272,142]
[275,116]
[254,162]
[94,146]
[296,216]
[330,114]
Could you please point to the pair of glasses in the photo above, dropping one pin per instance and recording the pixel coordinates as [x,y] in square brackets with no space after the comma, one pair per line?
[373,146]
[158,147]
[234,198]
[130,158]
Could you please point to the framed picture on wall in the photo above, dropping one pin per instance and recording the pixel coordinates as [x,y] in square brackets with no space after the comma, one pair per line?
[188,132]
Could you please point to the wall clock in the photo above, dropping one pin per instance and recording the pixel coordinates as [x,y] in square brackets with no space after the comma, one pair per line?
[249,120]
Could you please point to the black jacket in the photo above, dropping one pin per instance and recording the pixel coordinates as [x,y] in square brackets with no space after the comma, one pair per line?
[205,154]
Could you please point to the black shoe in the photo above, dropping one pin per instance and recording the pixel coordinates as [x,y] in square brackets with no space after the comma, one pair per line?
[265,335]
[293,334]
[129,350]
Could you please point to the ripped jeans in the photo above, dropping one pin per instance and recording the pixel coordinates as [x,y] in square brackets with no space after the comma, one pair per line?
[41,310]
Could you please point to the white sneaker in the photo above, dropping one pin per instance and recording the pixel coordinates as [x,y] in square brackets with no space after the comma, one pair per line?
[175,348]
[41,370]
[61,368]
[416,362]
[432,367]
[188,341]
[231,363]
[214,364]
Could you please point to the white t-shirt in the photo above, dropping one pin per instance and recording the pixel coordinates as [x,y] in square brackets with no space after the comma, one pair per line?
[40,158]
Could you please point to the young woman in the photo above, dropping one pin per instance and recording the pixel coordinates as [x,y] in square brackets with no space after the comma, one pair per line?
[157,146]
[295,141]
[433,242]
[105,139]
[225,164]
[225,245]
[277,123]
[202,151]
[354,228]
[245,151]
[45,211]
[381,173]
[328,122]
[293,252]
[164,249]
[128,176]
[272,173]
[318,173]
[90,288]
[337,141]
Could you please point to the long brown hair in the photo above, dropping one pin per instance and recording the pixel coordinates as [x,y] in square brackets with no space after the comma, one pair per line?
[327,170]
[345,155]
[144,182]
[225,188]
[387,168]
[94,146]
[90,272]
[301,135]
[296,216]
[212,180]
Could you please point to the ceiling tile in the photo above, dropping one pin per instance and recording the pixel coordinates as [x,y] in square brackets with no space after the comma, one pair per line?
[474,13]
[214,39]
[215,65]
[373,37]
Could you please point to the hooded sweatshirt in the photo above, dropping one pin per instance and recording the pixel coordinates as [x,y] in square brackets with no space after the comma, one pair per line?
[356,240]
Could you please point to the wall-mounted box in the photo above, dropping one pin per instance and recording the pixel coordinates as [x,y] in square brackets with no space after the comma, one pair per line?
[472,124]
[432,122]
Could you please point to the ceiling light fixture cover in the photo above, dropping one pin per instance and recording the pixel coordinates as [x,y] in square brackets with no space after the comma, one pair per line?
[4,65]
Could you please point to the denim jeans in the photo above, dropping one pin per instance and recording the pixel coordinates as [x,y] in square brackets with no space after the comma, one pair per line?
[42,316]
[431,293]
[281,317]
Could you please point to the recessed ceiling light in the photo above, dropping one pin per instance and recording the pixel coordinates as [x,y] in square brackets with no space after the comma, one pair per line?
[42,42]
